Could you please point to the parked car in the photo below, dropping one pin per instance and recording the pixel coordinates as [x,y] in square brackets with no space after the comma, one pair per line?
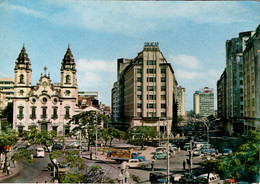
[57,146]
[196,152]
[208,151]
[230,181]
[187,146]
[63,169]
[227,151]
[75,144]
[213,178]
[188,178]
[161,155]
[136,163]
[160,177]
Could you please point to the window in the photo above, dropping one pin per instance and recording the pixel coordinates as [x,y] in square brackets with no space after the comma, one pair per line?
[68,79]
[163,88]
[151,97]
[54,113]
[163,70]
[163,97]
[163,114]
[44,112]
[139,70]
[151,70]
[33,114]
[150,88]
[67,112]
[139,97]
[22,78]
[151,62]
[139,79]
[151,114]
[151,79]
[20,115]
[163,106]
[163,79]
[150,105]
[139,88]
[139,105]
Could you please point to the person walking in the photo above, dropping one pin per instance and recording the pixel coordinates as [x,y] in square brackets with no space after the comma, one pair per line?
[184,163]
[152,166]
[14,161]
[8,170]
[90,155]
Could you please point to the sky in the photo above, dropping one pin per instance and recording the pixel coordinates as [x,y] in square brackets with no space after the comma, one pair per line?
[191,36]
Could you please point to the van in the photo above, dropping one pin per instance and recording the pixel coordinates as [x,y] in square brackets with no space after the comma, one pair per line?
[38,152]
[213,178]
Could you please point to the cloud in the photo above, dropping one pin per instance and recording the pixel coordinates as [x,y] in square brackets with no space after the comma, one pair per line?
[187,75]
[185,61]
[24,10]
[3,74]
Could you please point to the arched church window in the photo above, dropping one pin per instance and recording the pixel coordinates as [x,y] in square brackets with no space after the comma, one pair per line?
[68,79]
[22,78]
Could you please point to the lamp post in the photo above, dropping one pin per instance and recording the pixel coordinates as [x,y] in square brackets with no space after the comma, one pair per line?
[96,143]
[208,126]
[168,159]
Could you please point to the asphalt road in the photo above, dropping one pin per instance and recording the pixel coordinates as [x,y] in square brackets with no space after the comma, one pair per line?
[31,172]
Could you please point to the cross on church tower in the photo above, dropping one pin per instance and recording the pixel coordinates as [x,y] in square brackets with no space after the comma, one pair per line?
[45,69]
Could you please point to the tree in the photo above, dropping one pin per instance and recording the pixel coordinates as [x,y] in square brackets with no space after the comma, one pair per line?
[7,113]
[110,133]
[7,139]
[141,133]
[244,163]
[86,123]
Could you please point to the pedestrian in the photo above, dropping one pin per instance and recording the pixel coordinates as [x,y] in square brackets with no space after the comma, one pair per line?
[14,161]
[32,156]
[152,166]
[8,170]
[90,155]
[184,163]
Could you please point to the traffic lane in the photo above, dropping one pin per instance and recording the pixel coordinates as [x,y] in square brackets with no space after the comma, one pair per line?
[31,172]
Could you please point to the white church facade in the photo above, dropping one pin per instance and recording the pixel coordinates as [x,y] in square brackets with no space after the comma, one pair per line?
[45,106]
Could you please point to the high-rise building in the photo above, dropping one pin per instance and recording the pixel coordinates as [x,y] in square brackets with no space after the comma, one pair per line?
[204,102]
[146,90]
[251,75]
[221,96]
[234,87]
[181,101]
[44,106]
[7,87]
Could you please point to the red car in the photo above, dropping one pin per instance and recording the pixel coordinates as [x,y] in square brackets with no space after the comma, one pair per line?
[230,181]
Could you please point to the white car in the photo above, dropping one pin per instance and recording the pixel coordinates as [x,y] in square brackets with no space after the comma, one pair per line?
[135,163]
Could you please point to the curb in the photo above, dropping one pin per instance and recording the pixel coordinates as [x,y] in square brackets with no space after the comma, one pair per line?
[13,172]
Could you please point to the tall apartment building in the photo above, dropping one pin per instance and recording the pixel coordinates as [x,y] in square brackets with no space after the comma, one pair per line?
[7,87]
[251,68]
[221,96]
[181,101]
[146,90]
[204,102]
[234,87]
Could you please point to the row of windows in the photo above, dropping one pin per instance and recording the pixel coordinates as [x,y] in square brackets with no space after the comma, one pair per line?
[151,114]
[151,79]
[151,105]
[151,97]
[44,112]
[151,70]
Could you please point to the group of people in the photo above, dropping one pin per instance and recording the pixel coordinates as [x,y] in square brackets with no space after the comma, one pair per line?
[8,167]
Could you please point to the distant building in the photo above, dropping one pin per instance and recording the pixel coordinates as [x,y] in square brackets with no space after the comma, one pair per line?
[181,101]
[146,91]
[204,102]
[251,69]
[44,106]
[90,94]
[2,100]
[7,87]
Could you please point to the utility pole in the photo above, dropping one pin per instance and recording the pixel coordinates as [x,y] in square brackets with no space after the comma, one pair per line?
[168,159]
[96,143]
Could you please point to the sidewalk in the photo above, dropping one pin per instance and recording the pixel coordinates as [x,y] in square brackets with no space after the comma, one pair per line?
[13,172]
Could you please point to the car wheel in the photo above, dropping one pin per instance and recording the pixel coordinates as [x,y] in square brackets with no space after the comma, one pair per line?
[143,167]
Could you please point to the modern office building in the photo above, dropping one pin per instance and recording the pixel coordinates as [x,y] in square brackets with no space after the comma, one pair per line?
[7,87]
[204,102]
[90,94]
[251,75]
[181,101]
[146,91]
[234,85]
[44,106]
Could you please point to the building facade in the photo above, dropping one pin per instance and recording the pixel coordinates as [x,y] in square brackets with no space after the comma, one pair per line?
[181,101]
[45,106]
[7,87]
[221,96]
[204,102]
[234,87]
[146,90]
[251,76]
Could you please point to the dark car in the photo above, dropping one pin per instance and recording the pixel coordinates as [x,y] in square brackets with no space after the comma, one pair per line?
[159,177]
[57,146]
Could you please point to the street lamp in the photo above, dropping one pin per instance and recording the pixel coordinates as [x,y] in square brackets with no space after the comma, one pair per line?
[208,126]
